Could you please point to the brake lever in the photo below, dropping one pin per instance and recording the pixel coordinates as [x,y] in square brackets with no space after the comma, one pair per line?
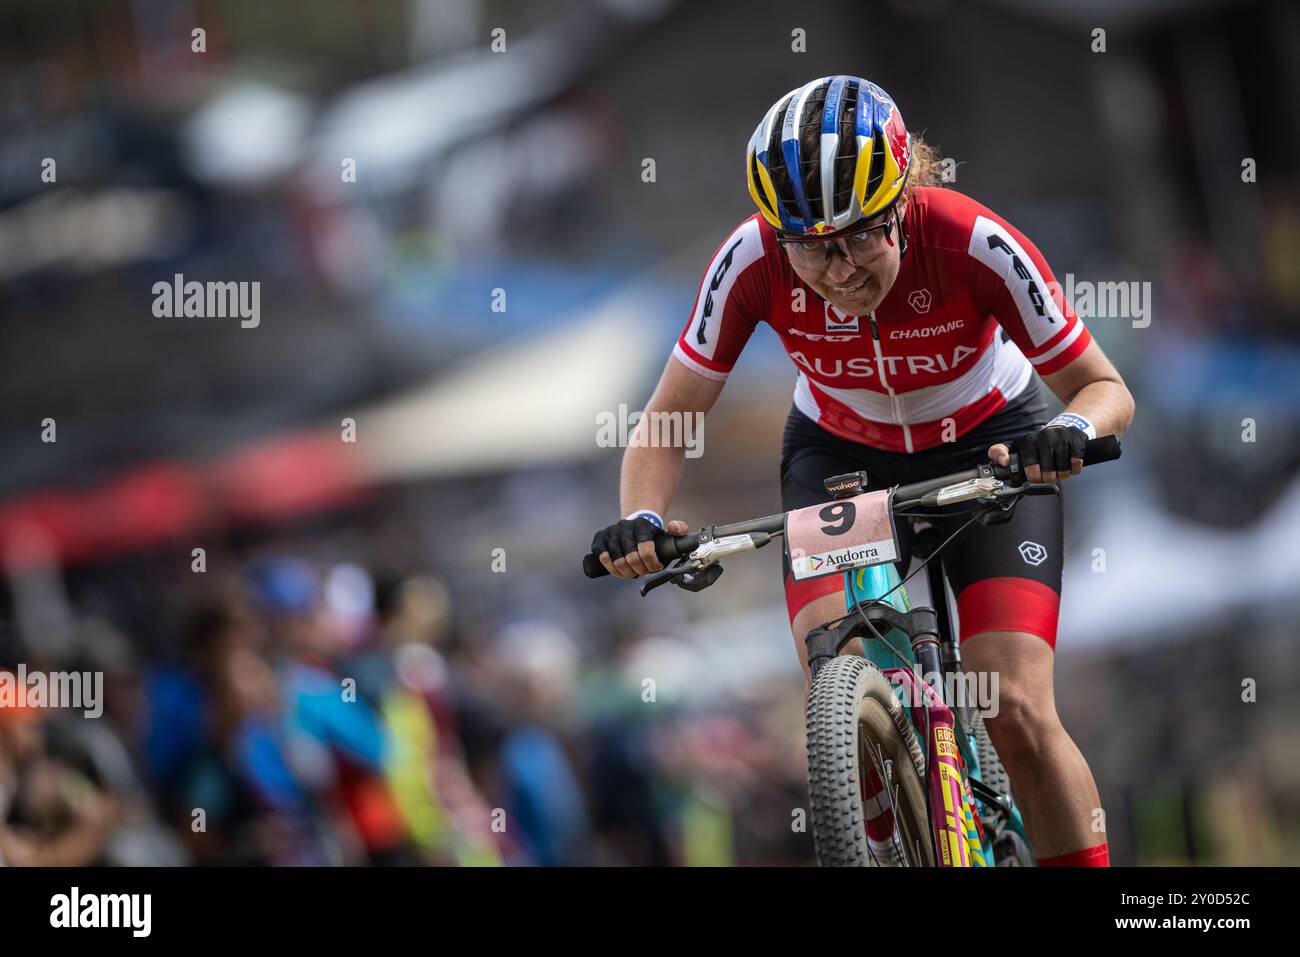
[687,574]
[1002,503]
[650,582]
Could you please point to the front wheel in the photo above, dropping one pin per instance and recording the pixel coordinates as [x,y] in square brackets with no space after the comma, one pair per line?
[865,771]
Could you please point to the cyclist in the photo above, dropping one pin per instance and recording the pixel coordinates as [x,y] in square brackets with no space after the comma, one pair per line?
[915,318]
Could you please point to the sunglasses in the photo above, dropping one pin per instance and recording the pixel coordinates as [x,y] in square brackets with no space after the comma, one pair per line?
[859,243]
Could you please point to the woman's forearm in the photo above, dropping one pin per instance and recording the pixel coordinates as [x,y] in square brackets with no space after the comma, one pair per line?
[669,429]
[1107,404]
[650,478]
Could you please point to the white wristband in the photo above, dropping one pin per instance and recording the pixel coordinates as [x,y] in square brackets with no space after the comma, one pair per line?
[654,517]
[1073,419]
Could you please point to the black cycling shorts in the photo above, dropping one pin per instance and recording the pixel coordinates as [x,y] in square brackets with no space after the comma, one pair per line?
[1005,577]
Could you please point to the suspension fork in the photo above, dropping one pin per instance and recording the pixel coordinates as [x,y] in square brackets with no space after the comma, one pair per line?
[949,646]
[938,582]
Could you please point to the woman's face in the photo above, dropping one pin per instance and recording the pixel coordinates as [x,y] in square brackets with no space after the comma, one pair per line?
[854,286]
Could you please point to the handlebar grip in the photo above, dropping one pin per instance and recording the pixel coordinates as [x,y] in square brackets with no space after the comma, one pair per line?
[1104,448]
[669,548]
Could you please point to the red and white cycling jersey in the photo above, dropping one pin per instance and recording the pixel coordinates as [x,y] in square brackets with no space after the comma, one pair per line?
[931,352]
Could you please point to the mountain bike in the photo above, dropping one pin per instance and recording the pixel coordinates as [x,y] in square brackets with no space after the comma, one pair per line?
[901,770]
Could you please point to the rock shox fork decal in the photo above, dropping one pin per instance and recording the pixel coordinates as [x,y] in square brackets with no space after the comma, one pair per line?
[947,791]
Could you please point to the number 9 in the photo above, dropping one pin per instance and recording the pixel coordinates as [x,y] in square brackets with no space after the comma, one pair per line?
[840,517]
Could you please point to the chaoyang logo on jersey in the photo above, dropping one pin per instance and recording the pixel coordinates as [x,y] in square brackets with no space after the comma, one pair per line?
[863,367]
[925,332]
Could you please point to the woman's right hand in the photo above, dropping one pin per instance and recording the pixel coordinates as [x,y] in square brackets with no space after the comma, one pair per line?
[627,548]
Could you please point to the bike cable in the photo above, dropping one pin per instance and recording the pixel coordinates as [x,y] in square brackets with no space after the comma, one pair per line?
[860,608]
[931,557]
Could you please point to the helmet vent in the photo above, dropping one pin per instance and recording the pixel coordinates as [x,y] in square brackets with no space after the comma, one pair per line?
[810,153]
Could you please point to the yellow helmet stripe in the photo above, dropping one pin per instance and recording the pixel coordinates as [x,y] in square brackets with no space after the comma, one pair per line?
[769,190]
[890,184]
[860,173]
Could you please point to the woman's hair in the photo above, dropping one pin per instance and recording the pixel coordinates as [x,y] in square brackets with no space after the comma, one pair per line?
[924,169]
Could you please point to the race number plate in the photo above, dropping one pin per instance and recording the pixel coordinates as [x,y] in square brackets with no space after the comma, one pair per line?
[838,536]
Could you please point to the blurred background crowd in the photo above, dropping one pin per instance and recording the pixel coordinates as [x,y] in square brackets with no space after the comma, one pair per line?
[328,566]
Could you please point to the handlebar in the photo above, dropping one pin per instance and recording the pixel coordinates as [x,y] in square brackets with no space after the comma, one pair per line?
[1105,448]
[669,548]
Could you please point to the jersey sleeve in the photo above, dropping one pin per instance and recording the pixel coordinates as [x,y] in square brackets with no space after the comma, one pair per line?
[1012,282]
[733,298]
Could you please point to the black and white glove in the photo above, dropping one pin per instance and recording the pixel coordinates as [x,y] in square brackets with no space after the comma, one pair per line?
[1052,453]
[626,548]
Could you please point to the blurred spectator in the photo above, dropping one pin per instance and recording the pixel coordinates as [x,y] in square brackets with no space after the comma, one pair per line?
[50,814]
[335,740]
[106,750]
